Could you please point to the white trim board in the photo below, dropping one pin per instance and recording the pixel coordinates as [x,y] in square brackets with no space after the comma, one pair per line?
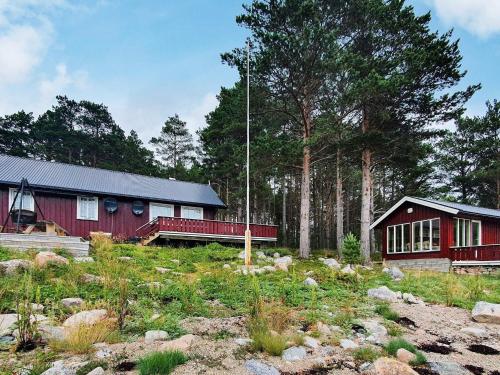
[172,234]
[420,202]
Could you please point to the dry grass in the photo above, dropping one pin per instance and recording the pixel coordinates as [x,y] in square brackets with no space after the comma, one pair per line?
[80,339]
[277,315]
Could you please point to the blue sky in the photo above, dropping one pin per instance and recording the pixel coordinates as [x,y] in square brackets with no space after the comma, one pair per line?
[147,60]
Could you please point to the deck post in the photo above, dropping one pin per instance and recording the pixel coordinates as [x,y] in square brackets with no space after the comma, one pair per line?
[248,247]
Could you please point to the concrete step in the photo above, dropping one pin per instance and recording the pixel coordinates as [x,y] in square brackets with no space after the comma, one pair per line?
[45,245]
[76,246]
[40,237]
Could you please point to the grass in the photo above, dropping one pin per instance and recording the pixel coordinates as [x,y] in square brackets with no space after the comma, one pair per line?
[366,354]
[161,362]
[385,310]
[393,346]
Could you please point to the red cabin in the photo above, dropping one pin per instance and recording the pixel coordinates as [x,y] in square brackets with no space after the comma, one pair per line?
[83,200]
[426,233]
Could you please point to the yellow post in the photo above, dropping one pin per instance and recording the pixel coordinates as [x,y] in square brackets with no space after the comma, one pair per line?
[248,247]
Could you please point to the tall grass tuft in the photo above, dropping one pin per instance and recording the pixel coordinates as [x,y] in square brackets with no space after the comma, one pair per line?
[385,310]
[161,362]
[475,288]
[26,318]
[393,346]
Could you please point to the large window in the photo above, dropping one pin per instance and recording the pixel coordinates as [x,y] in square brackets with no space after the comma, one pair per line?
[426,235]
[157,209]
[192,212]
[398,238]
[87,208]
[466,232]
[27,199]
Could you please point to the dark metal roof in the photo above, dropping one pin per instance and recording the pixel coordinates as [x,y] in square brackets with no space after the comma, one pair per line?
[76,178]
[465,208]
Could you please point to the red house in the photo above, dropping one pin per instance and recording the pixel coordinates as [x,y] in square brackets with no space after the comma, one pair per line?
[426,233]
[83,200]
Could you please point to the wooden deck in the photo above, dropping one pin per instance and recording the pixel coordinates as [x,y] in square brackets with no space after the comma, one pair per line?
[475,255]
[204,230]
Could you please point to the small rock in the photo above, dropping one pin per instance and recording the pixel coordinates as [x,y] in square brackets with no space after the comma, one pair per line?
[448,368]
[226,266]
[88,317]
[348,270]
[125,259]
[332,263]
[287,260]
[154,317]
[389,366]
[281,267]
[49,332]
[378,333]
[411,299]
[310,282]
[72,302]
[176,261]
[474,331]
[103,352]
[258,368]
[348,344]
[62,367]
[89,278]
[323,329]
[243,341]
[37,307]
[11,267]
[83,259]
[241,255]
[97,371]
[405,356]
[395,273]
[7,324]
[383,293]
[269,268]
[485,312]
[43,258]
[311,342]
[162,269]
[261,255]
[183,343]
[295,353]
[276,255]
[155,335]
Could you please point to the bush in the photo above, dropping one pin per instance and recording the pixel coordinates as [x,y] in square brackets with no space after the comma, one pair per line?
[266,341]
[161,362]
[393,346]
[351,249]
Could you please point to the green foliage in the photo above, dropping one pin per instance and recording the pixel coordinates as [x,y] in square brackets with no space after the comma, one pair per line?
[264,340]
[393,346]
[27,324]
[351,249]
[89,366]
[160,363]
[385,310]
[366,354]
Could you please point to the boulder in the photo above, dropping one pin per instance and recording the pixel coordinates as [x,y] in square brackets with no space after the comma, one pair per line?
[383,293]
[348,344]
[389,366]
[89,317]
[323,329]
[72,302]
[311,342]
[63,367]
[155,335]
[183,343]
[448,368]
[162,269]
[37,307]
[7,324]
[348,270]
[83,259]
[44,258]
[281,267]
[310,282]
[485,312]
[395,273]
[332,263]
[378,333]
[276,255]
[411,299]
[49,332]
[287,260]
[474,331]
[97,371]
[259,368]
[11,267]
[405,356]
[295,353]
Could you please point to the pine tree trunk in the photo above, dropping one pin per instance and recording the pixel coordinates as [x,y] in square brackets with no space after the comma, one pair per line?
[339,205]
[304,240]
[366,186]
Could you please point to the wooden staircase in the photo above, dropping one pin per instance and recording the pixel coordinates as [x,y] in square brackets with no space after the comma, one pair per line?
[147,240]
[76,246]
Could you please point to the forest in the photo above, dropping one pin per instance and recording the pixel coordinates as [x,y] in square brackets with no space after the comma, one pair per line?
[353,105]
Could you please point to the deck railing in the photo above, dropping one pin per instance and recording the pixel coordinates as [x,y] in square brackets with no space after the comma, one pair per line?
[215,227]
[481,253]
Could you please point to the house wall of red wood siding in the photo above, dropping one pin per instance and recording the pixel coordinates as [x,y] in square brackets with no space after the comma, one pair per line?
[61,208]
[490,230]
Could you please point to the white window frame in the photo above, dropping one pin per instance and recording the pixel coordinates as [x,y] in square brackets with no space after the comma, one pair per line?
[431,248]
[183,208]
[79,204]
[171,206]
[393,250]
[467,227]
[12,194]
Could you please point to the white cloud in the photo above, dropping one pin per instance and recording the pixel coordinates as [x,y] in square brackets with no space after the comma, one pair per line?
[195,116]
[479,17]
[50,88]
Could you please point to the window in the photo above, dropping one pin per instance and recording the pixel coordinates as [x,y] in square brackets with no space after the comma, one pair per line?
[398,238]
[162,210]
[28,201]
[426,235]
[192,212]
[466,232]
[87,208]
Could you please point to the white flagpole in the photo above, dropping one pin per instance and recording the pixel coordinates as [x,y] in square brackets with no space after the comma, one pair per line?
[248,234]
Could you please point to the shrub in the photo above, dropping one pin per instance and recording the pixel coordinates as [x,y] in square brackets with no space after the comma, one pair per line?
[366,354]
[101,243]
[393,346]
[386,311]
[26,321]
[351,249]
[161,362]
[475,288]
[266,341]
